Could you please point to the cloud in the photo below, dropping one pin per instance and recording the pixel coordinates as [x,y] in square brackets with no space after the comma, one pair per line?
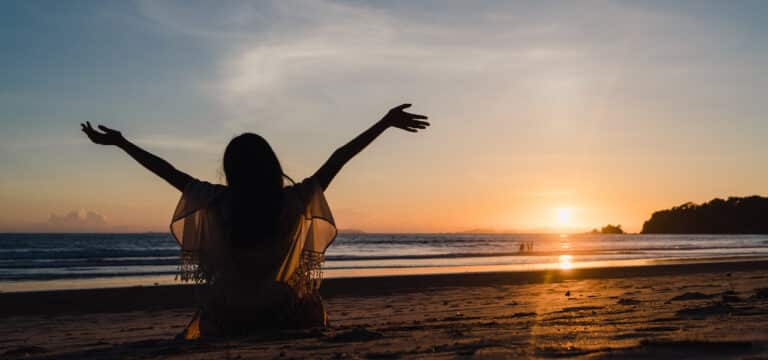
[76,220]
[286,60]
[541,72]
[291,63]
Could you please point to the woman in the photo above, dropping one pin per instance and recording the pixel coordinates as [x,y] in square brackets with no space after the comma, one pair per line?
[255,244]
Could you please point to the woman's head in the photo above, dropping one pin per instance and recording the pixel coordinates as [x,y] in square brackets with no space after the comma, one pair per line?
[255,178]
[250,164]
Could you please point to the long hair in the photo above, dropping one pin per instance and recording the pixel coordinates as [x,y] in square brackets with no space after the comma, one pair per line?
[255,178]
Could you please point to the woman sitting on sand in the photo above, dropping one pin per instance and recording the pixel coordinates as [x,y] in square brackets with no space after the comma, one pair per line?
[255,244]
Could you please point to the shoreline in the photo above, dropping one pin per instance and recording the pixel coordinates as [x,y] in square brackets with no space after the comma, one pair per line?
[161,297]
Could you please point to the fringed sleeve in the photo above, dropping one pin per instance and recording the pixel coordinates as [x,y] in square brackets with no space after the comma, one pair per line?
[314,232]
[195,227]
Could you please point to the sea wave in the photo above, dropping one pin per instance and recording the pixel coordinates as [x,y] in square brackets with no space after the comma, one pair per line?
[40,257]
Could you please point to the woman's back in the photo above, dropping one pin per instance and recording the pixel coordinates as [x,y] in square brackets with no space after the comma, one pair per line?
[272,275]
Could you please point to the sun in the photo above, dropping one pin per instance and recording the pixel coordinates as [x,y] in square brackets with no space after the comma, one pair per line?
[563,216]
[566,262]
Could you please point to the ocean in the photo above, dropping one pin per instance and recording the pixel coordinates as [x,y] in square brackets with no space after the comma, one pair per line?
[31,262]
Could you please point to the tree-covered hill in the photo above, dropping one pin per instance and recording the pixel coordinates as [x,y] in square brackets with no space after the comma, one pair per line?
[737,215]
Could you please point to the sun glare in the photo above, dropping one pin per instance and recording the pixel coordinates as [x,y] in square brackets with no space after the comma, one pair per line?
[566,262]
[563,216]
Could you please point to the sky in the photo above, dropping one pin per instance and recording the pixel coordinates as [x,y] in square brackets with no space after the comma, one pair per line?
[551,116]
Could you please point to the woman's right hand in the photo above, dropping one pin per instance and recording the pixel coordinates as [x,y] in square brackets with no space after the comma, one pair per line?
[107,137]
[398,118]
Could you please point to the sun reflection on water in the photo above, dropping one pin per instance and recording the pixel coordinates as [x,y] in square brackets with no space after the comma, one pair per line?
[566,262]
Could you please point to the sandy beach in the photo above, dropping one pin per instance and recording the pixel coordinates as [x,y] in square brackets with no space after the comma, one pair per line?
[716,310]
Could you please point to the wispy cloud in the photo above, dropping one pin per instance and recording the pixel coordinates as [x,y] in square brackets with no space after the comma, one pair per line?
[284,62]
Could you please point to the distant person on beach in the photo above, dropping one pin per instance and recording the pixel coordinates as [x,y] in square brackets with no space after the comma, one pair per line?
[255,243]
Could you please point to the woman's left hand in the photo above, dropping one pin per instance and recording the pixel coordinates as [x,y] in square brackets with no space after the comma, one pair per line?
[398,118]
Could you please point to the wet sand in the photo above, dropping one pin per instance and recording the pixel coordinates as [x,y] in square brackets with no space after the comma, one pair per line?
[673,311]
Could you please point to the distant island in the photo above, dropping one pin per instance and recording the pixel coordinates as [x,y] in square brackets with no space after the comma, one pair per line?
[609,229]
[737,215]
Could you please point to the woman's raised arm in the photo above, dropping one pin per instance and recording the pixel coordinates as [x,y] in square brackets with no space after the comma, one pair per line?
[395,117]
[160,167]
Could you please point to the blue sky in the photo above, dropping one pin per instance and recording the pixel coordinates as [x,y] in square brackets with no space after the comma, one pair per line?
[609,109]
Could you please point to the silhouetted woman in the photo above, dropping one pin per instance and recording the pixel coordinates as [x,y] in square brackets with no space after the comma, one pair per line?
[255,244]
